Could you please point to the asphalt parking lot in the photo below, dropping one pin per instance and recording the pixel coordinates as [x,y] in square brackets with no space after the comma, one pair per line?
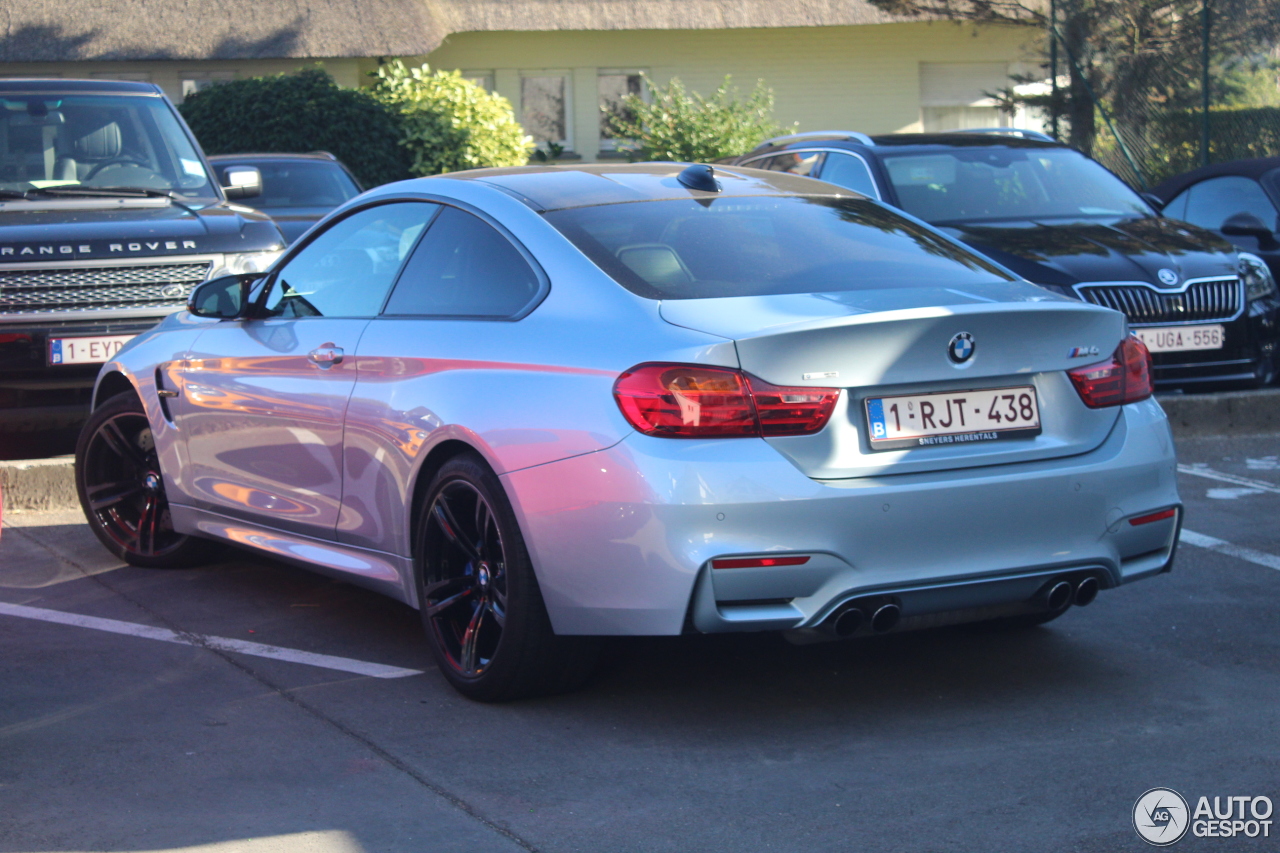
[251,706]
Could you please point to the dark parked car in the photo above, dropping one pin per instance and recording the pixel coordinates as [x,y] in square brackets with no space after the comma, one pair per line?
[297,189]
[1207,312]
[1239,200]
[109,216]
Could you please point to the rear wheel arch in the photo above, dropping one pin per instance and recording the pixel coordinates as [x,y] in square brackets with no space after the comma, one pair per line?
[436,459]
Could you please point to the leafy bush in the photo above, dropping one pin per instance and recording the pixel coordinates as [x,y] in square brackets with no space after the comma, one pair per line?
[450,123]
[687,127]
[300,112]
[1235,133]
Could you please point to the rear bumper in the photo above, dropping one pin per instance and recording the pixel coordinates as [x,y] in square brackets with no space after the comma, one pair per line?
[622,539]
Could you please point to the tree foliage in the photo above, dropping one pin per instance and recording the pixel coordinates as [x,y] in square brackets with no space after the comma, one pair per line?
[687,127]
[294,113]
[1130,54]
[449,123]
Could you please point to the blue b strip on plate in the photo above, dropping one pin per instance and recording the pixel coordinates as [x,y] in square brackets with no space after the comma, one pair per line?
[55,352]
[875,417]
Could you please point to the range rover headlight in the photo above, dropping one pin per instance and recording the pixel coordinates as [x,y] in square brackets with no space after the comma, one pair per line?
[246,262]
[1256,275]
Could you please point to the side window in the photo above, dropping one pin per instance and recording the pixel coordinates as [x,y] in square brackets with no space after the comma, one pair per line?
[463,268]
[1216,200]
[845,170]
[347,270]
[793,162]
[1177,206]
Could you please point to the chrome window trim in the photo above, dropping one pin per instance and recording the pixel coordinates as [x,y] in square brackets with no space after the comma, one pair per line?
[1182,288]
[879,196]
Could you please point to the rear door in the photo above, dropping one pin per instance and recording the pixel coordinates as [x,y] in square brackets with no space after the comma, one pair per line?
[265,398]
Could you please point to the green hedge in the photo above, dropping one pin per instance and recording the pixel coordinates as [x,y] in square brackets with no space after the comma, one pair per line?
[301,112]
[1235,133]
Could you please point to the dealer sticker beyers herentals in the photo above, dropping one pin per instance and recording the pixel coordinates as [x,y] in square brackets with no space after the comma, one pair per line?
[1162,817]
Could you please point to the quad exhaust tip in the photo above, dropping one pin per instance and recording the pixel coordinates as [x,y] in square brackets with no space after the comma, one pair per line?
[886,618]
[1086,592]
[1059,595]
[847,622]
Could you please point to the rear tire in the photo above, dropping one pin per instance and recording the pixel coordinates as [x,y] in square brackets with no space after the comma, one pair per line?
[485,620]
[121,490]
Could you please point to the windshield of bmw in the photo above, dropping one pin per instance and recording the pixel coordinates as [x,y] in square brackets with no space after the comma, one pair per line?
[980,184]
[758,246]
[97,142]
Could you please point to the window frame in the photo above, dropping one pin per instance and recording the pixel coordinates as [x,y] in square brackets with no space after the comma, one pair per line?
[871,172]
[269,280]
[617,145]
[539,296]
[567,76]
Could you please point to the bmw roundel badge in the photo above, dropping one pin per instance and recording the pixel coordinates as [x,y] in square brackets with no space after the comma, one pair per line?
[960,349]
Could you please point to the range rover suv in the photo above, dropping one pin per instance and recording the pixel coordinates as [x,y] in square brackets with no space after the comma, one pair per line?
[1208,312]
[109,216]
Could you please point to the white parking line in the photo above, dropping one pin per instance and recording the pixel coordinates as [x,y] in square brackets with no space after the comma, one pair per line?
[1260,558]
[1209,473]
[164,635]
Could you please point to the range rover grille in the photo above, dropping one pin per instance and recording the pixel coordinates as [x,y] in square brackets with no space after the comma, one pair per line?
[1202,301]
[48,291]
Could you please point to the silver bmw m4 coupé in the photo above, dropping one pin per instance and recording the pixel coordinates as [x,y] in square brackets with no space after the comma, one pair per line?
[546,405]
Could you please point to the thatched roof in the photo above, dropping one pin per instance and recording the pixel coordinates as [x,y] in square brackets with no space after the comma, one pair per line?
[68,30]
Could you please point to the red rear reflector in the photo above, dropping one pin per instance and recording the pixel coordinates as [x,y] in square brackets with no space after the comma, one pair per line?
[1124,378]
[692,401]
[758,562]
[1155,516]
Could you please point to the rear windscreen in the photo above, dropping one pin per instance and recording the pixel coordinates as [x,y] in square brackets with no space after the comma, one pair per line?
[757,246]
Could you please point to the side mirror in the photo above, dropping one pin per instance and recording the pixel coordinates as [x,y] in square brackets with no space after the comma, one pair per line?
[1155,201]
[1248,225]
[242,182]
[222,298]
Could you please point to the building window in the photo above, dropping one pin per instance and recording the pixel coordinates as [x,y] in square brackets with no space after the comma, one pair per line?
[955,95]
[483,79]
[613,87]
[544,105]
[199,82]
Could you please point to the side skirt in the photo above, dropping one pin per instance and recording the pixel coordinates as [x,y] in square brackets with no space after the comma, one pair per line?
[388,574]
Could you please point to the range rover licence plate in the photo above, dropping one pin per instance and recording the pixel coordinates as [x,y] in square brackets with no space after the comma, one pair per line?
[86,350]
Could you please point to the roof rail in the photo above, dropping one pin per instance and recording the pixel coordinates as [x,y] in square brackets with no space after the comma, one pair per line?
[850,135]
[1008,131]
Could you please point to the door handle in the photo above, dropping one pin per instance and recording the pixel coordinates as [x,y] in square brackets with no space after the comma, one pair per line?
[325,355]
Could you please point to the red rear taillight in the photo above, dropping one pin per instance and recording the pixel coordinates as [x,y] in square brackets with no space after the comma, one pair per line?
[1124,378]
[691,401]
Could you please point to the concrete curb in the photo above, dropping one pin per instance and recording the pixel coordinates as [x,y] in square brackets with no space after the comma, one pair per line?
[47,484]
[1224,414]
[39,484]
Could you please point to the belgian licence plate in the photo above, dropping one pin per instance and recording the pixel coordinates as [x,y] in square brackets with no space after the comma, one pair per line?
[85,350]
[952,417]
[1181,338]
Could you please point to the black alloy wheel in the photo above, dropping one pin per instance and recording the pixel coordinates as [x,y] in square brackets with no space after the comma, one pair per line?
[121,489]
[481,606]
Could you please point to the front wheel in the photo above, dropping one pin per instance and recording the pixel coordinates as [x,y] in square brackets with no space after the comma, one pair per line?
[481,606]
[122,491]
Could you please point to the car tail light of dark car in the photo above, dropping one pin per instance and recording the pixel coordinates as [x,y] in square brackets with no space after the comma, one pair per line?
[692,401]
[1124,378]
